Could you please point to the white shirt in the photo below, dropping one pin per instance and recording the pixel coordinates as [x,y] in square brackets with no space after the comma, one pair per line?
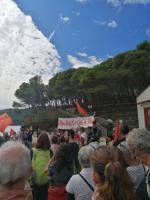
[79,188]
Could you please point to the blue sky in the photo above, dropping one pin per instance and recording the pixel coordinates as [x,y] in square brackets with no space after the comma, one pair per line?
[98,28]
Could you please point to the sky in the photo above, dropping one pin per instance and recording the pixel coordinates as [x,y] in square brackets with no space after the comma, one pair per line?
[43,37]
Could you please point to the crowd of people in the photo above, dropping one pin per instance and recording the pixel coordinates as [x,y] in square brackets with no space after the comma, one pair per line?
[76,165]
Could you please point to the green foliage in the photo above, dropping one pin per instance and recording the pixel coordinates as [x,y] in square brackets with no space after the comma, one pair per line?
[18,115]
[17,105]
[33,94]
[47,118]
[115,81]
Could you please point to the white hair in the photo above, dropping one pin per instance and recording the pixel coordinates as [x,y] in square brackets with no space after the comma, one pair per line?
[126,151]
[15,162]
[138,139]
[84,156]
[85,153]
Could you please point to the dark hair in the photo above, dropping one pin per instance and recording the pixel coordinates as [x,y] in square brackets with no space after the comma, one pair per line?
[72,134]
[43,142]
[95,130]
[116,183]
[125,129]
[54,139]
[61,140]
[64,157]
[82,129]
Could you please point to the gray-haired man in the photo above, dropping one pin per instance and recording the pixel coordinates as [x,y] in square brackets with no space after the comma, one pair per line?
[138,141]
[81,186]
[15,168]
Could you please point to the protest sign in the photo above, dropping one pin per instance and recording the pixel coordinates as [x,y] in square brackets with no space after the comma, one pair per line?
[73,123]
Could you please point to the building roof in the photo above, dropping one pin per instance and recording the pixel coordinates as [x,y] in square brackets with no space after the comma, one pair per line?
[144,97]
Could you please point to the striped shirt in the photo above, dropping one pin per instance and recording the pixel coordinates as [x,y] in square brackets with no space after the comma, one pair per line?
[137,173]
[79,188]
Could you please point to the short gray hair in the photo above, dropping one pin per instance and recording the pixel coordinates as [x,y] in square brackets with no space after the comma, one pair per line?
[15,162]
[84,156]
[138,139]
[125,151]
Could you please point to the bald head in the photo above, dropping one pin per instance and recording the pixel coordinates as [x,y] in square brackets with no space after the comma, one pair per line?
[15,162]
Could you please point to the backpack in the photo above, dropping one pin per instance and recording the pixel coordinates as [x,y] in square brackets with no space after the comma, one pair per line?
[39,161]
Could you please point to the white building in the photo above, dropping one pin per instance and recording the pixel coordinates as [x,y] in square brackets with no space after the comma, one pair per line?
[143,107]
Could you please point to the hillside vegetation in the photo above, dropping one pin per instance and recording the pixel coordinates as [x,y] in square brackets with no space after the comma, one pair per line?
[110,87]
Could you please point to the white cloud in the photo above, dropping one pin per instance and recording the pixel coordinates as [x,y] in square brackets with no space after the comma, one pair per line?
[76,13]
[99,22]
[148,32]
[117,3]
[136,1]
[82,54]
[64,19]
[82,1]
[112,24]
[109,56]
[90,61]
[24,52]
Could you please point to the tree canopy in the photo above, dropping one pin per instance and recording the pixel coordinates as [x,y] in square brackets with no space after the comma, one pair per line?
[114,81]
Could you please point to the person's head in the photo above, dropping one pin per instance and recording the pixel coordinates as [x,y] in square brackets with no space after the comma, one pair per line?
[84,156]
[15,164]
[125,129]
[82,129]
[138,141]
[54,139]
[129,157]
[63,157]
[43,141]
[72,134]
[95,130]
[93,138]
[111,177]
[62,139]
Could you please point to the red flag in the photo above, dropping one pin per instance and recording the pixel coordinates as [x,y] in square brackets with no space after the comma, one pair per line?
[11,132]
[5,121]
[81,110]
[116,131]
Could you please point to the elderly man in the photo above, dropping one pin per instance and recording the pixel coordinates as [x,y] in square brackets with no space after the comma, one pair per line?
[138,141]
[15,168]
[81,186]
[135,168]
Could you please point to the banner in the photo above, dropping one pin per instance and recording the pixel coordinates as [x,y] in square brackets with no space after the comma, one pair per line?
[73,123]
